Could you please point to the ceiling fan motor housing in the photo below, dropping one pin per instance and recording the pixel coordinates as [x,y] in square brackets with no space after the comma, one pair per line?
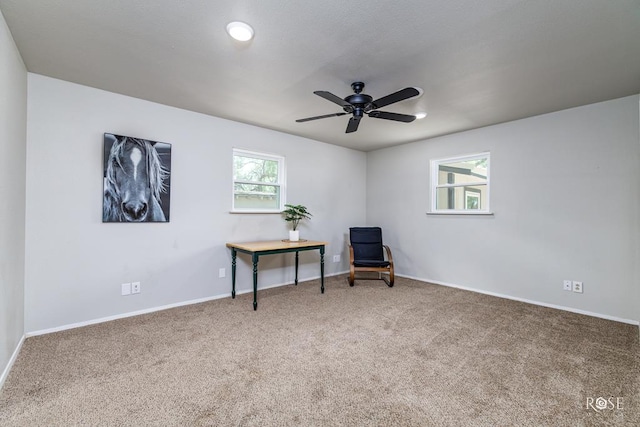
[360,100]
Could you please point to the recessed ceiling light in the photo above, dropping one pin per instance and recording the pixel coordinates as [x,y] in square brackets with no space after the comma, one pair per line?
[240,31]
[421,115]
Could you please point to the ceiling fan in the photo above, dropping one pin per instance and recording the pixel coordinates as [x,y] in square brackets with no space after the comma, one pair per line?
[360,103]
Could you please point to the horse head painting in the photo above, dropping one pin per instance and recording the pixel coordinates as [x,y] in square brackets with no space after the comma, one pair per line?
[135,179]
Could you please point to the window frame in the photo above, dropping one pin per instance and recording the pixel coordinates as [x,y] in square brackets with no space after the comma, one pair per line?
[281,180]
[434,186]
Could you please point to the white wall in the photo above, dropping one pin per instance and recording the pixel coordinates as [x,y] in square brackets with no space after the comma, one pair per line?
[75,263]
[564,189]
[13,126]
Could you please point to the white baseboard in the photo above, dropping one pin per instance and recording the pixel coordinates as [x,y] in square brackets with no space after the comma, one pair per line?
[164,307]
[543,304]
[12,360]
[227,295]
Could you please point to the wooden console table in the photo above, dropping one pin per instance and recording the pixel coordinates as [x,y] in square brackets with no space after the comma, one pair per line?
[256,249]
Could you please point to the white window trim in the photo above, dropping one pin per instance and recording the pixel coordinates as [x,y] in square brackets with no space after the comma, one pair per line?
[433,185]
[281,180]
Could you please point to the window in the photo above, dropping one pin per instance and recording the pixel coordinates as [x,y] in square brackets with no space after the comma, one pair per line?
[258,182]
[460,185]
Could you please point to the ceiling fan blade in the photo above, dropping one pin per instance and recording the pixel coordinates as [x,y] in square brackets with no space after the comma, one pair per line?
[333,98]
[320,117]
[392,116]
[401,95]
[353,124]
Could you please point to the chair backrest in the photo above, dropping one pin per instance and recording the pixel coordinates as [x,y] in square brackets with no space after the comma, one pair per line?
[367,243]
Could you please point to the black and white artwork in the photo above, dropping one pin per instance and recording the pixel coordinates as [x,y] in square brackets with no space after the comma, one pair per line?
[137,180]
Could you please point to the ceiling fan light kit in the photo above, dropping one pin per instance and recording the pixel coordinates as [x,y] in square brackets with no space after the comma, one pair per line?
[358,104]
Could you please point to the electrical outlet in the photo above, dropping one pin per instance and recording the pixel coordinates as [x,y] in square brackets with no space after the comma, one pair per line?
[567,285]
[577,287]
[222,272]
[126,289]
[135,288]
[336,258]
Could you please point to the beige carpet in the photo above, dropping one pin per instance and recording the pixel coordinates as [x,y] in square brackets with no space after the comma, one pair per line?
[413,355]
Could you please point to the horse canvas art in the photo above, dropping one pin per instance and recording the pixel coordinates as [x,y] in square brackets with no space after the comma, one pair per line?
[137,175]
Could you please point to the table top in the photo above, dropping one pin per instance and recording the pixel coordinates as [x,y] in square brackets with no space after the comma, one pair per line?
[272,245]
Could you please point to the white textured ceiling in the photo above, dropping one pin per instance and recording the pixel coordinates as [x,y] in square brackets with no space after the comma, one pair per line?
[478,62]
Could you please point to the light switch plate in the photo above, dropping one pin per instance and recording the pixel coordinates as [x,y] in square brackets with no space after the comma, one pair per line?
[126,289]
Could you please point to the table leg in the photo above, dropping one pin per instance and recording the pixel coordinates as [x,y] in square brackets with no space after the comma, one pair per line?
[233,273]
[322,269]
[255,281]
[297,252]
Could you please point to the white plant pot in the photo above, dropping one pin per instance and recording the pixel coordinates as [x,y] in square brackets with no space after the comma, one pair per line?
[294,235]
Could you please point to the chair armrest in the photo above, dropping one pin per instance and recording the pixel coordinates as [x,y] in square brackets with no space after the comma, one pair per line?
[351,259]
[389,257]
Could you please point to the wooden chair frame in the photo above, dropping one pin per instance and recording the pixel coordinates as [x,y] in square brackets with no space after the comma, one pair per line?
[380,270]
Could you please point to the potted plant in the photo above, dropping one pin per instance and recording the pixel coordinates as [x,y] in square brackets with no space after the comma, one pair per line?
[294,214]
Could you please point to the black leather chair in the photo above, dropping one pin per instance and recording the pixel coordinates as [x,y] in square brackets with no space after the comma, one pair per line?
[366,254]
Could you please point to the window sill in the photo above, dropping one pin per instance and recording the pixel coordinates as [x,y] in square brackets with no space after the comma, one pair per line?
[461,213]
[255,212]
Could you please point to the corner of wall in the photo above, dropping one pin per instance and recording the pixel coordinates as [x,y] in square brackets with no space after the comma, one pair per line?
[12,360]
[13,128]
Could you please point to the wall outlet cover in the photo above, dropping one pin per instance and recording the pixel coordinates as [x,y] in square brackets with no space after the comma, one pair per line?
[126,289]
[567,285]
[577,287]
[135,288]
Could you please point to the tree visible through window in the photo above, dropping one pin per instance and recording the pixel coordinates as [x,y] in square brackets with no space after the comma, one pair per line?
[460,184]
[258,182]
